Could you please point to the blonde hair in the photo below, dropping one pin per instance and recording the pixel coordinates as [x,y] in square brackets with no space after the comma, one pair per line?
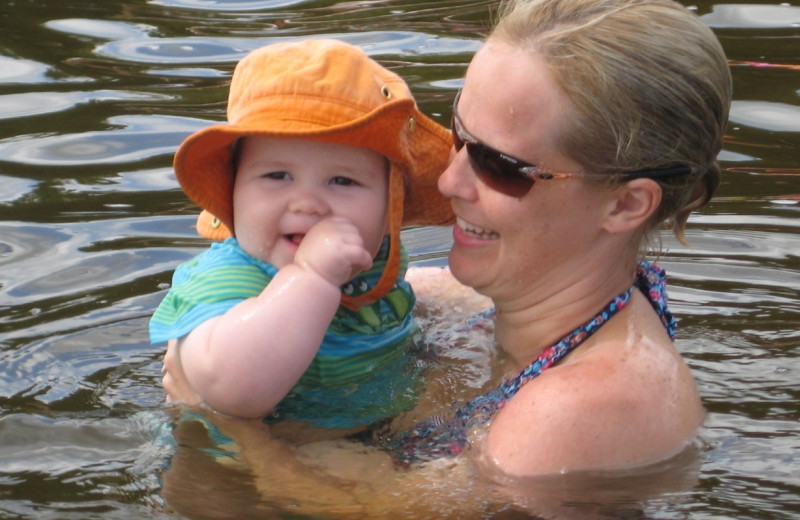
[649,85]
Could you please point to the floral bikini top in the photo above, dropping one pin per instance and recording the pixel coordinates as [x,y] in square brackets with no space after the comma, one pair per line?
[436,438]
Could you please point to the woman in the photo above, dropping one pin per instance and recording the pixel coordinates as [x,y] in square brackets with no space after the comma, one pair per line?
[582,126]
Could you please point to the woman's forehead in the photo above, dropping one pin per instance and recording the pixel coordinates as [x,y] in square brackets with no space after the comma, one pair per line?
[511,102]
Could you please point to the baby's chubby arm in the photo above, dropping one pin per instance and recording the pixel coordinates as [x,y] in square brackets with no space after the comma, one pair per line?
[245,361]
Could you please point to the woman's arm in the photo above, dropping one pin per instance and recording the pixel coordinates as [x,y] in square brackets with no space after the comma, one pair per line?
[436,290]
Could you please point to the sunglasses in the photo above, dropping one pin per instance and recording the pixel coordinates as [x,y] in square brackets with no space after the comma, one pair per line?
[514,177]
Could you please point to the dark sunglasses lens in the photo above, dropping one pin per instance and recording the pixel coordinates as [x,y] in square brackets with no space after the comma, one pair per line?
[497,172]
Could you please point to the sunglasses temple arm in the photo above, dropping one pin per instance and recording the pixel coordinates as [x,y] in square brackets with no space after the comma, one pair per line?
[658,173]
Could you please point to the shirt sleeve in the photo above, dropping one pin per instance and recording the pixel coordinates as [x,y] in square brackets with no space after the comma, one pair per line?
[204,287]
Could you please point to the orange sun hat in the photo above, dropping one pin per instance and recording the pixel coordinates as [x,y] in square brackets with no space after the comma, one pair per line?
[328,91]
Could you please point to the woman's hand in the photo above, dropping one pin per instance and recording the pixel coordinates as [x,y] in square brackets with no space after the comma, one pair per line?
[174,380]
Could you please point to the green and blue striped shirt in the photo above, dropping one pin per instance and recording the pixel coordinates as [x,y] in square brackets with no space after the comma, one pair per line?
[364,370]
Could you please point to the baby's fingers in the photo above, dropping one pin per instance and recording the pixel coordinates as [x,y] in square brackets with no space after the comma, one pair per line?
[359,259]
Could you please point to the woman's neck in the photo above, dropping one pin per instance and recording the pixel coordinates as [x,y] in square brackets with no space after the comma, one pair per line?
[540,316]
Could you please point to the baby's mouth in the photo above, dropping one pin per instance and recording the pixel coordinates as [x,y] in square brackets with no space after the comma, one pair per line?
[295,238]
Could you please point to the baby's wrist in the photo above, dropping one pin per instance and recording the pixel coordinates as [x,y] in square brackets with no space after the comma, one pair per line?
[313,274]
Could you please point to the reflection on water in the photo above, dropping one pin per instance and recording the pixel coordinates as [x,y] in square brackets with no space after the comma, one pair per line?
[21,71]
[94,98]
[777,117]
[230,5]
[131,139]
[748,16]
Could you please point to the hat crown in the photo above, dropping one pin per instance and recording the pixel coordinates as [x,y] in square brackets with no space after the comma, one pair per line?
[310,84]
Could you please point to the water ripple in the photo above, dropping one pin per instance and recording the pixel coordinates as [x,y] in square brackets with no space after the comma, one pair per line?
[136,139]
[13,70]
[229,5]
[199,49]
[101,29]
[753,16]
[777,117]
[29,104]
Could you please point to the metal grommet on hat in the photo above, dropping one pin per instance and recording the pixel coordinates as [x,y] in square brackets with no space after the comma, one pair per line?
[412,124]
[386,92]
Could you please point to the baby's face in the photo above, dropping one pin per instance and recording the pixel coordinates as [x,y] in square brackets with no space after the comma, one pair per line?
[285,186]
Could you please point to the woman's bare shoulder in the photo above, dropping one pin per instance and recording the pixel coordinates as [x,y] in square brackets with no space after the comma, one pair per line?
[600,412]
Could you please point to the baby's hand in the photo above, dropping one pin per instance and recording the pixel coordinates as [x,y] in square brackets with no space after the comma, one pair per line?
[334,249]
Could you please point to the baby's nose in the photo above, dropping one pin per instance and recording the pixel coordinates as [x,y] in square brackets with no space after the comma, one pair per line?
[308,202]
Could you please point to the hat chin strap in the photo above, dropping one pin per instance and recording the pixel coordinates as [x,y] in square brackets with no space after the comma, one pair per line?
[388,278]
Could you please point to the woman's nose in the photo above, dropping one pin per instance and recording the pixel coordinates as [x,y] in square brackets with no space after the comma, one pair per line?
[457,178]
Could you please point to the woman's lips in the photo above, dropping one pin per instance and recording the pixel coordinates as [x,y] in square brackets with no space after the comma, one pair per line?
[473,231]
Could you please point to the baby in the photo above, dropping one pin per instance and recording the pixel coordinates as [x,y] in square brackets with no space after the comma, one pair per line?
[303,312]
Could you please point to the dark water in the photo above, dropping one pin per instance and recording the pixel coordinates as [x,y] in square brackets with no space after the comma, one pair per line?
[95,95]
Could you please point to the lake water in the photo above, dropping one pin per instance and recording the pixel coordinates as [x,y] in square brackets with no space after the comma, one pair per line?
[95,95]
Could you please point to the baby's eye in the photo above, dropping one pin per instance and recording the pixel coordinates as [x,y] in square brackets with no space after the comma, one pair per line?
[278,176]
[343,181]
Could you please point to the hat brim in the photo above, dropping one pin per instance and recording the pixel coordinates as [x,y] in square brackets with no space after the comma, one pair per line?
[204,163]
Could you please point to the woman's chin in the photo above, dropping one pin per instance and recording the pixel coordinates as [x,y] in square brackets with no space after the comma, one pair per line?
[467,267]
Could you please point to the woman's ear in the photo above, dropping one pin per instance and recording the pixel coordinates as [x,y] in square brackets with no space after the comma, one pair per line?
[633,204]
